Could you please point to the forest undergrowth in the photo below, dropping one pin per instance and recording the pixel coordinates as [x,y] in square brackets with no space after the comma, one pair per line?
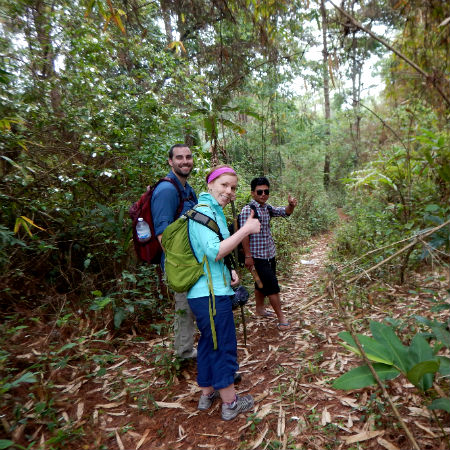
[91,388]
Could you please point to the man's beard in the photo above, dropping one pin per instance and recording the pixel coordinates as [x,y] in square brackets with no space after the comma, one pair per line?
[178,171]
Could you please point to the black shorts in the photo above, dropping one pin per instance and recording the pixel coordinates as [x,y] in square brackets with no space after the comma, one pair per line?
[266,269]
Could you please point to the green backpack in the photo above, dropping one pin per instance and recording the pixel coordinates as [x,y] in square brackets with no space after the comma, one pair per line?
[181,265]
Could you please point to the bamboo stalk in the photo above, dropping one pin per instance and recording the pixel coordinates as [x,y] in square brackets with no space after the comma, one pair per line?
[414,242]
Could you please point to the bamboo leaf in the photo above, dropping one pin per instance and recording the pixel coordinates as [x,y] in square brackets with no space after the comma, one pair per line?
[119,23]
[177,46]
[20,222]
[17,166]
[89,7]
[107,20]
[17,225]
[32,223]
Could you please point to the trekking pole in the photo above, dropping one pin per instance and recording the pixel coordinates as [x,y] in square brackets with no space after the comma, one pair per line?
[235,254]
[243,323]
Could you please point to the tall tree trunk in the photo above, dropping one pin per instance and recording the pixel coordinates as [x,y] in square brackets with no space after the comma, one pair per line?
[41,13]
[165,12]
[326,94]
[356,97]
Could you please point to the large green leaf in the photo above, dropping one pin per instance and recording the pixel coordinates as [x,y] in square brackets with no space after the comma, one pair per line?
[418,374]
[444,368]
[6,443]
[374,350]
[420,351]
[441,403]
[386,336]
[361,376]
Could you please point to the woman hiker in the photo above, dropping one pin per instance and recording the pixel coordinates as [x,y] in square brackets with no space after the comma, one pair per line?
[210,298]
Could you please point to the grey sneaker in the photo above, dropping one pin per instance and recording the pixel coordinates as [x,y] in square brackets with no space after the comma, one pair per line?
[241,404]
[189,355]
[205,402]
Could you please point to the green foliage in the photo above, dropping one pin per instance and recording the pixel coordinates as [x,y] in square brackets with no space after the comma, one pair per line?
[7,241]
[27,377]
[361,376]
[400,194]
[167,365]
[423,42]
[441,403]
[418,362]
[439,329]
[130,298]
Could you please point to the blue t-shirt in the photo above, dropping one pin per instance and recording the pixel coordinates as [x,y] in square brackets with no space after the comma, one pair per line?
[165,201]
[205,241]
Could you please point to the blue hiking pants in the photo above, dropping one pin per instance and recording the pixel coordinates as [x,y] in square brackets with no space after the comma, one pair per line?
[215,368]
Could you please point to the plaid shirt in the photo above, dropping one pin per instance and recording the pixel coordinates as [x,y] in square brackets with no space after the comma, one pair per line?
[262,245]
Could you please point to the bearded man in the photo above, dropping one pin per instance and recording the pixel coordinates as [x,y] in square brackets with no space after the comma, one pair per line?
[165,203]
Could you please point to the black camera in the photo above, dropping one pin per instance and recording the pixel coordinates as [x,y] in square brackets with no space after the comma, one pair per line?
[240,297]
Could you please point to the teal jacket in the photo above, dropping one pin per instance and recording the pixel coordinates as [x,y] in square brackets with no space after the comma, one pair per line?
[205,241]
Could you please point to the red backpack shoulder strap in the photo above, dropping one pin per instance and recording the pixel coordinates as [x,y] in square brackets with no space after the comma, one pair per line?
[180,195]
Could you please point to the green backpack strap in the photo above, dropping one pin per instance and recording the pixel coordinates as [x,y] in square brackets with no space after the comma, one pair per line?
[205,220]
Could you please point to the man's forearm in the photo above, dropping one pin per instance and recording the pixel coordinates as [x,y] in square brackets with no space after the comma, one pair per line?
[246,246]
[289,209]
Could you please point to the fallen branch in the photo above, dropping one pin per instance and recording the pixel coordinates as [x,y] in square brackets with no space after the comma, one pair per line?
[416,238]
[312,303]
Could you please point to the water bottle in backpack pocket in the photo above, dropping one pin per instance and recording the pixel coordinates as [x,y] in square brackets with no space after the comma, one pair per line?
[143,230]
[149,250]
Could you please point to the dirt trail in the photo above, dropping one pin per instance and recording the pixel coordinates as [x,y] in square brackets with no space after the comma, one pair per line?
[115,393]
[289,374]
[282,370]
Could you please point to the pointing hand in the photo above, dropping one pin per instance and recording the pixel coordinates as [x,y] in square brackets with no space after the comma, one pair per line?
[292,201]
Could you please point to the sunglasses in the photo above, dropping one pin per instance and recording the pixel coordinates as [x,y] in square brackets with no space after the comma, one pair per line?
[261,191]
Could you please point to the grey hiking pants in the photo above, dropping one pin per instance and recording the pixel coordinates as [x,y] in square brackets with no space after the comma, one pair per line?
[184,327]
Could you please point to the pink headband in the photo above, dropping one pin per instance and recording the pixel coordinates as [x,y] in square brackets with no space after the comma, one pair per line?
[216,173]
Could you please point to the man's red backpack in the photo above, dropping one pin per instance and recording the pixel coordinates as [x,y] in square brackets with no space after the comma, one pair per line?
[151,250]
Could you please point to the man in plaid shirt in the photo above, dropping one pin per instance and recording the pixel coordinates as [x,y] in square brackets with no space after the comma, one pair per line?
[260,248]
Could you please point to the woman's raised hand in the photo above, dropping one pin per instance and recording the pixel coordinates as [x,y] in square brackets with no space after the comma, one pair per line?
[252,225]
